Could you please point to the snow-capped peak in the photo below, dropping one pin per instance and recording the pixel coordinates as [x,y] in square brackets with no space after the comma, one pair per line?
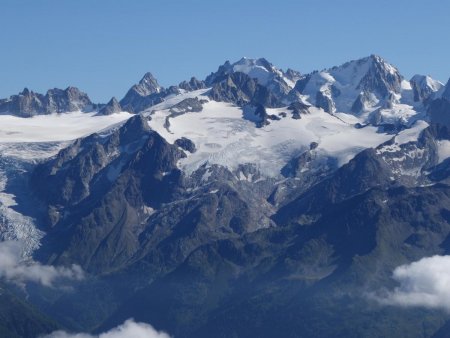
[26,92]
[424,86]
[384,64]
[372,74]
[260,69]
[426,80]
[355,86]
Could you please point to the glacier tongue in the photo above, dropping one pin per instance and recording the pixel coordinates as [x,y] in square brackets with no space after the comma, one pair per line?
[15,160]
[14,225]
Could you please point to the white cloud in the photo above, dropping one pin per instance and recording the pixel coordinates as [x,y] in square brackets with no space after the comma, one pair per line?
[423,283]
[129,329]
[14,268]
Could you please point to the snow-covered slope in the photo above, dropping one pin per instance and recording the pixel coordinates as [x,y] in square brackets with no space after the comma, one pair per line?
[54,127]
[369,88]
[222,136]
[424,87]
[260,69]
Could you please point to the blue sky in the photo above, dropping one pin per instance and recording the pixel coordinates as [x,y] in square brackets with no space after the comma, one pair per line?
[105,46]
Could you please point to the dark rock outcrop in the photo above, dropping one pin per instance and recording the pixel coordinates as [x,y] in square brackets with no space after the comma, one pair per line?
[424,87]
[293,75]
[259,70]
[186,144]
[446,92]
[381,79]
[112,107]
[188,105]
[240,89]
[29,103]
[146,94]
[298,109]
[193,84]
[325,102]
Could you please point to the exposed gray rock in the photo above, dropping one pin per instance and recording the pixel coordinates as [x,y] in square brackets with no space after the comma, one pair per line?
[147,85]
[256,114]
[188,105]
[446,92]
[146,94]
[359,104]
[262,115]
[325,102]
[424,87]
[29,103]
[302,82]
[193,84]
[186,144]
[241,90]
[373,80]
[298,109]
[128,181]
[69,178]
[381,79]
[259,70]
[293,75]
[218,76]
[112,107]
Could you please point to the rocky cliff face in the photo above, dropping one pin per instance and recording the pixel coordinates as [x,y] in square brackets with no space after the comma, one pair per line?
[146,94]
[192,84]
[241,89]
[278,83]
[129,181]
[352,87]
[424,87]
[29,103]
[112,107]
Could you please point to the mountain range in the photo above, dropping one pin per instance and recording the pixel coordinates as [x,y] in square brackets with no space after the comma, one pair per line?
[254,203]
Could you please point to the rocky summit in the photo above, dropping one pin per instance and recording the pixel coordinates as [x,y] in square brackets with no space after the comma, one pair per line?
[256,202]
[28,103]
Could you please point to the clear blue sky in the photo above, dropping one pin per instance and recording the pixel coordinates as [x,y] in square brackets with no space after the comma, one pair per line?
[105,46]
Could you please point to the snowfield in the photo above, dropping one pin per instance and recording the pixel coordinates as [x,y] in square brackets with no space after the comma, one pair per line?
[222,136]
[443,150]
[55,127]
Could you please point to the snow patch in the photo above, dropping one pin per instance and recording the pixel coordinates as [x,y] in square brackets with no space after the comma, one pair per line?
[443,148]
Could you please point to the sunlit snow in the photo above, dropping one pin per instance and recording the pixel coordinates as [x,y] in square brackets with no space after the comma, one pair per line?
[54,127]
[223,137]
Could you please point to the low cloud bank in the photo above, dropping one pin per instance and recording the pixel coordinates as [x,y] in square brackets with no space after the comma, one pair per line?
[14,268]
[129,329]
[423,283]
